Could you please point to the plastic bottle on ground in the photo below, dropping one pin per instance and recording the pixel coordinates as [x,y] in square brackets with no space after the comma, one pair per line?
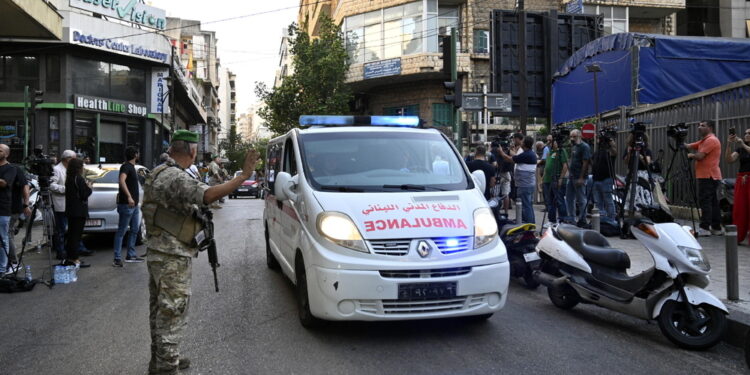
[28,273]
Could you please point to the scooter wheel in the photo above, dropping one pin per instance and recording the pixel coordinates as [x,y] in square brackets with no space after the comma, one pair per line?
[674,323]
[563,296]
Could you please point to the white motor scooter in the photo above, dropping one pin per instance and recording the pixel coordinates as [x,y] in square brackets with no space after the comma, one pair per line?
[579,265]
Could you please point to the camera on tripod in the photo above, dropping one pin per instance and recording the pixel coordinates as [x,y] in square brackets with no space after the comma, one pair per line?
[607,134]
[677,132]
[41,165]
[502,141]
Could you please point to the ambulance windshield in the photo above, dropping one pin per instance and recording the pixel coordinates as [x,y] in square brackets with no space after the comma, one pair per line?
[382,162]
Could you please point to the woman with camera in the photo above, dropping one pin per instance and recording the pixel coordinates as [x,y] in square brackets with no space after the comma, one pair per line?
[77,192]
[741,209]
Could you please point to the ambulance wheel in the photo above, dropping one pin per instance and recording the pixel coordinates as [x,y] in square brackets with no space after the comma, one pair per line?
[306,318]
[271,261]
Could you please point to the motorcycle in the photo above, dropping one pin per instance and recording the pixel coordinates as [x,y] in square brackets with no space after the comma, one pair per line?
[580,266]
[520,242]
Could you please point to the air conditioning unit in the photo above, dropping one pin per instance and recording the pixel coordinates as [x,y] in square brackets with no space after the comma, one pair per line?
[478,138]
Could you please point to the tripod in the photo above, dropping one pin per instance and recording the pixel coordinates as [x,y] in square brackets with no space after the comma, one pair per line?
[44,205]
[679,155]
[631,185]
[602,147]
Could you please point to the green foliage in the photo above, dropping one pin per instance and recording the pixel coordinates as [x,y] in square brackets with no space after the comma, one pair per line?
[317,85]
[234,149]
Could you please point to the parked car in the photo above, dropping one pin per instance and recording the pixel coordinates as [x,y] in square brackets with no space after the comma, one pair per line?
[103,216]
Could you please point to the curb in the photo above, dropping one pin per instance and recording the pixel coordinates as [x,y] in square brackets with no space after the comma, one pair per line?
[738,325]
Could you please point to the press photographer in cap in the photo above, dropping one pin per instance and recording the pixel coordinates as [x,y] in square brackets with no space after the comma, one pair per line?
[171,203]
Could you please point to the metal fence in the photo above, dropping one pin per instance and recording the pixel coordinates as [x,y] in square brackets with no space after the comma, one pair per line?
[728,106]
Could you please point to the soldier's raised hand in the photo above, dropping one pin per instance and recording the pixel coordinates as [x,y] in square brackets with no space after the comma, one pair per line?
[251,159]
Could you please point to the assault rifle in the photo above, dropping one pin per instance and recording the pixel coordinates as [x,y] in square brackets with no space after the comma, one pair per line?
[208,242]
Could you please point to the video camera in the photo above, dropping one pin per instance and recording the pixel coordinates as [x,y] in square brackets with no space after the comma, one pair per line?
[41,165]
[502,140]
[607,134]
[677,131]
[560,134]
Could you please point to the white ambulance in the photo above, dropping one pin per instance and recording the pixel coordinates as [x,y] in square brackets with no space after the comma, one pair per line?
[373,218]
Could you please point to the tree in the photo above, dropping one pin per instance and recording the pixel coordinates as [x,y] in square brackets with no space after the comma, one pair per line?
[234,148]
[317,86]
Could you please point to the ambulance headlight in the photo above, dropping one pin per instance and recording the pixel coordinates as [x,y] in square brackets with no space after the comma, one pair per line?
[341,230]
[485,227]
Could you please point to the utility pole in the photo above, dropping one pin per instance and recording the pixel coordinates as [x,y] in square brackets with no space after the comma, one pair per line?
[523,98]
[26,122]
[454,78]
[485,112]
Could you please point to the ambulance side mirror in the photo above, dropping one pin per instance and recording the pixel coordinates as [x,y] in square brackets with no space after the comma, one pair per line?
[479,180]
[286,186]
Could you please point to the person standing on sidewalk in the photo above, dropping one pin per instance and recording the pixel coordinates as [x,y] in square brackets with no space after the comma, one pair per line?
[555,169]
[127,207]
[19,204]
[171,193]
[77,192]
[575,196]
[602,172]
[8,179]
[524,177]
[479,163]
[57,188]
[741,208]
[707,154]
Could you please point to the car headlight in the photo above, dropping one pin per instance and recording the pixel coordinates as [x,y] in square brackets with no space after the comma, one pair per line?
[695,256]
[341,230]
[485,227]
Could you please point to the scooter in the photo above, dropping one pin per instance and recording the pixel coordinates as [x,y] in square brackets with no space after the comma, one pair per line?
[520,242]
[580,266]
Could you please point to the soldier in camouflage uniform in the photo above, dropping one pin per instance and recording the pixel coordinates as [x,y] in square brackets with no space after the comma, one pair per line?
[171,198]
[214,171]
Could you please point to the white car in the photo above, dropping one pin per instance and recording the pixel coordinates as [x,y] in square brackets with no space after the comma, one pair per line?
[103,216]
[380,223]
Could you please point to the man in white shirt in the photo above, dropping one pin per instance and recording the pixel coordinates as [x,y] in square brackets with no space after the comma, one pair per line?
[57,188]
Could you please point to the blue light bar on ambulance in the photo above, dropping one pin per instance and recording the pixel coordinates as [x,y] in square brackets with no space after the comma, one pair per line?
[399,121]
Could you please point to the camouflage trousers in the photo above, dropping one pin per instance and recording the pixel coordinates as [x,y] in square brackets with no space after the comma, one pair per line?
[169,297]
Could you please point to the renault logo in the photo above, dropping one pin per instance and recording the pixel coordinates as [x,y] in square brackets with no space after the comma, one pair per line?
[423,249]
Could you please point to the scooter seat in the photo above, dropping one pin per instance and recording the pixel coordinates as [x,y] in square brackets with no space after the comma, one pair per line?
[594,247]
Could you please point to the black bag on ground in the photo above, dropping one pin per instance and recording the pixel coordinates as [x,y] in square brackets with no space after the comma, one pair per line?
[609,230]
[13,284]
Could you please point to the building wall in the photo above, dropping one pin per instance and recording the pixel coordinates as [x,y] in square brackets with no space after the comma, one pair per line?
[734,15]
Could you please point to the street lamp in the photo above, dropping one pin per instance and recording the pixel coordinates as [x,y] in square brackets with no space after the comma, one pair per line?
[595,68]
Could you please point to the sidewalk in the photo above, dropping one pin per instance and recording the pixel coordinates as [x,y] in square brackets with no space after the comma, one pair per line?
[714,249]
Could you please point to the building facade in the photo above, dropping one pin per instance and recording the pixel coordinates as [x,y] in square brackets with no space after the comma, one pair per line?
[622,16]
[228,102]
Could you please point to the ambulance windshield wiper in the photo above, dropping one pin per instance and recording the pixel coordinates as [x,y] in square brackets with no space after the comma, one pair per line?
[411,187]
[342,188]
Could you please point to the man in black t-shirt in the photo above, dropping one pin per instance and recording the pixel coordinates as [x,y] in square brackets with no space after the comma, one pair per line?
[127,207]
[479,163]
[19,204]
[8,177]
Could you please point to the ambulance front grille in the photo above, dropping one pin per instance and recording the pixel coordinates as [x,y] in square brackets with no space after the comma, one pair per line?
[390,247]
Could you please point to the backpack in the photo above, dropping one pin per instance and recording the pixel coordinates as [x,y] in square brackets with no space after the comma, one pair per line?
[13,284]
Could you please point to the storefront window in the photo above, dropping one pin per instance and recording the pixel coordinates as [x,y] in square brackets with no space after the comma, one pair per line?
[18,71]
[11,133]
[111,143]
[135,134]
[84,136]
[109,80]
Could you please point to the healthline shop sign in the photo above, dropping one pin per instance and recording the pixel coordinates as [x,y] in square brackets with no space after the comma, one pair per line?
[126,10]
[93,103]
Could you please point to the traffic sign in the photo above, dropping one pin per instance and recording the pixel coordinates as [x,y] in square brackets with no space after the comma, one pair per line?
[499,102]
[472,101]
[588,131]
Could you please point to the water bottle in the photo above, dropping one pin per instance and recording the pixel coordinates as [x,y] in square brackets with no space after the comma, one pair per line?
[28,273]
[58,274]
[74,274]
[66,275]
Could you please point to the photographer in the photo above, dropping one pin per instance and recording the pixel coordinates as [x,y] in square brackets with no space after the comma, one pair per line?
[642,196]
[525,175]
[707,154]
[580,158]
[741,208]
[555,169]
[602,172]
[502,181]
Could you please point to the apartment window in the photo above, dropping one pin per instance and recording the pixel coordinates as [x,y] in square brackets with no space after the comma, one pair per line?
[442,114]
[18,71]
[615,19]
[481,41]
[99,78]
[405,110]
[397,31]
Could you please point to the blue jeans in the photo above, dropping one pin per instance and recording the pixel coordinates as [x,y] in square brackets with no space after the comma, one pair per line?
[554,199]
[605,203]
[575,197]
[526,194]
[4,238]
[129,216]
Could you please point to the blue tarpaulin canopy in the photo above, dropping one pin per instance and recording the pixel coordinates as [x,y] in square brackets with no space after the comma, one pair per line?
[663,68]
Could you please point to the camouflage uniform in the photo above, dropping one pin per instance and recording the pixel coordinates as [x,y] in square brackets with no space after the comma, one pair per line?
[169,263]
[214,174]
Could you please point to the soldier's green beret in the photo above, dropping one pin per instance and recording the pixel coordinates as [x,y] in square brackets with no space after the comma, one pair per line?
[185,135]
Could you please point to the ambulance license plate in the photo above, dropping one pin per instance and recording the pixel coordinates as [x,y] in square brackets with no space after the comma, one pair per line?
[427,290]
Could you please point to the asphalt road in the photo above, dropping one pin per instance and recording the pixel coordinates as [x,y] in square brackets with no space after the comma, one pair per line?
[99,325]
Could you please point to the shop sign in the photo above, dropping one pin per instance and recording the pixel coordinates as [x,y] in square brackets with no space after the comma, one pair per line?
[8,129]
[159,91]
[382,68]
[93,103]
[121,46]
[126,10]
